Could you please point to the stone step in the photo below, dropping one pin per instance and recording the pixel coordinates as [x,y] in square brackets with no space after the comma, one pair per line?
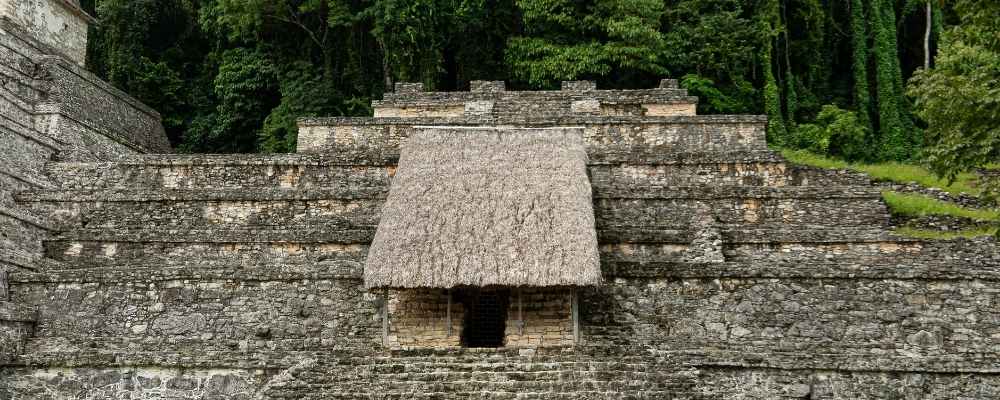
[234,249]
[238,208]
[84,261]
[93,253]
[316,233]
[346,234]
[628,169]
[845,268]
[205,171]
[311,393]
[764,235]
[291,210]
[633,137]
[124,244]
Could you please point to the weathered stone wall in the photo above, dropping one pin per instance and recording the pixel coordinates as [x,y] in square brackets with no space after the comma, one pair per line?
[421,319]
[60,24]
[540,317]
[492,99]
[535,317]
[129,383]
[96,120]
[189,316]
[203,276]
[50,109]
[606,138]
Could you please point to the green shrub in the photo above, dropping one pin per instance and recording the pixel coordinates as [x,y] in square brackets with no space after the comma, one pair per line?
[835,132]
[712,100]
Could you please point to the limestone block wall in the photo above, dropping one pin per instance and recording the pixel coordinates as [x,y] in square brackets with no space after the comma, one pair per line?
[605,137]
[25,149]
[205,276]
[420,319]
[96,120]
[54,109]
[60,24]
[130,383]
[535,317]
[215,314]
[540,317]
[492,99]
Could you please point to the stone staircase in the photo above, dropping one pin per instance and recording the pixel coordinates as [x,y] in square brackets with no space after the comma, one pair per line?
[486,374]
[246,270]
[26,150]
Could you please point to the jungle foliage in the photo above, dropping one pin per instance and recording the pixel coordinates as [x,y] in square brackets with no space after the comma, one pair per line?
[233,75]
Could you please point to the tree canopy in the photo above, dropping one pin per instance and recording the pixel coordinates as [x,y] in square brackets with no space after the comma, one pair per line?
[960,97]
[234,75]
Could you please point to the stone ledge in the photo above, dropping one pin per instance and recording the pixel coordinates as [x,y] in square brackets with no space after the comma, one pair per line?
[730,236]
[262,271]
[279,270]
[210,160]
[222,354]
[706,192]
[845,270]
[363,235]
[390,158]
[78,96]
[186,195]
[634,96]
[569,119]
[359,193]
[310,234]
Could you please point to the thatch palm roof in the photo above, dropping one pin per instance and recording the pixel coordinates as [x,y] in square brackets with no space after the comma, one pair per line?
[485,207]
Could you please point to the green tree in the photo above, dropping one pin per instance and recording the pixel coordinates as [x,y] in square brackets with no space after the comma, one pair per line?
[895,144]
[246,91]
[771,24]
[151,49]
[859,61]
[714,46]
[566,39]
[959,98]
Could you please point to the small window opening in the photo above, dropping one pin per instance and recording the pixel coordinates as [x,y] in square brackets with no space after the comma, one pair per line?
[485,320]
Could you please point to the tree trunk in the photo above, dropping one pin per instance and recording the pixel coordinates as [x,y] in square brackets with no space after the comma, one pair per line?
[386,72]
[927,37]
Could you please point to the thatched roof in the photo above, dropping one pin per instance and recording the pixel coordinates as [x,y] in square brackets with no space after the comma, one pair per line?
[484,207]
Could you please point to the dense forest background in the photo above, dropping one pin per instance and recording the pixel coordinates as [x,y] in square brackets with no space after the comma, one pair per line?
[832,75]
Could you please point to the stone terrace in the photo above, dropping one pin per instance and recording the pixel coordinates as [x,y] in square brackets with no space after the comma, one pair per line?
[239,276]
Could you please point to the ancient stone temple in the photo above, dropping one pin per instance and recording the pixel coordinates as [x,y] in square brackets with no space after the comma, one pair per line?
[490,244]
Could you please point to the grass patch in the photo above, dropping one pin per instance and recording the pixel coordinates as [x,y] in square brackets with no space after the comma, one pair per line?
[945,235]
[918,205]
[889,171]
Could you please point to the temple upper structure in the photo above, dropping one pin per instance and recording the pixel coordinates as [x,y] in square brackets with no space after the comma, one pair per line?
[579,243]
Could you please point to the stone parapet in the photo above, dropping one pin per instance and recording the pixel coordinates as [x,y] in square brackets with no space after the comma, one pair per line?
[626,135]
[492,99]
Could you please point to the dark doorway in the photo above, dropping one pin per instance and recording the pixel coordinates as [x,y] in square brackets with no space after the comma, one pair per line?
[485,317]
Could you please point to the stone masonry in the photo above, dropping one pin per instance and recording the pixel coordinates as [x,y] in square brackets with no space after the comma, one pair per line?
[728,272]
